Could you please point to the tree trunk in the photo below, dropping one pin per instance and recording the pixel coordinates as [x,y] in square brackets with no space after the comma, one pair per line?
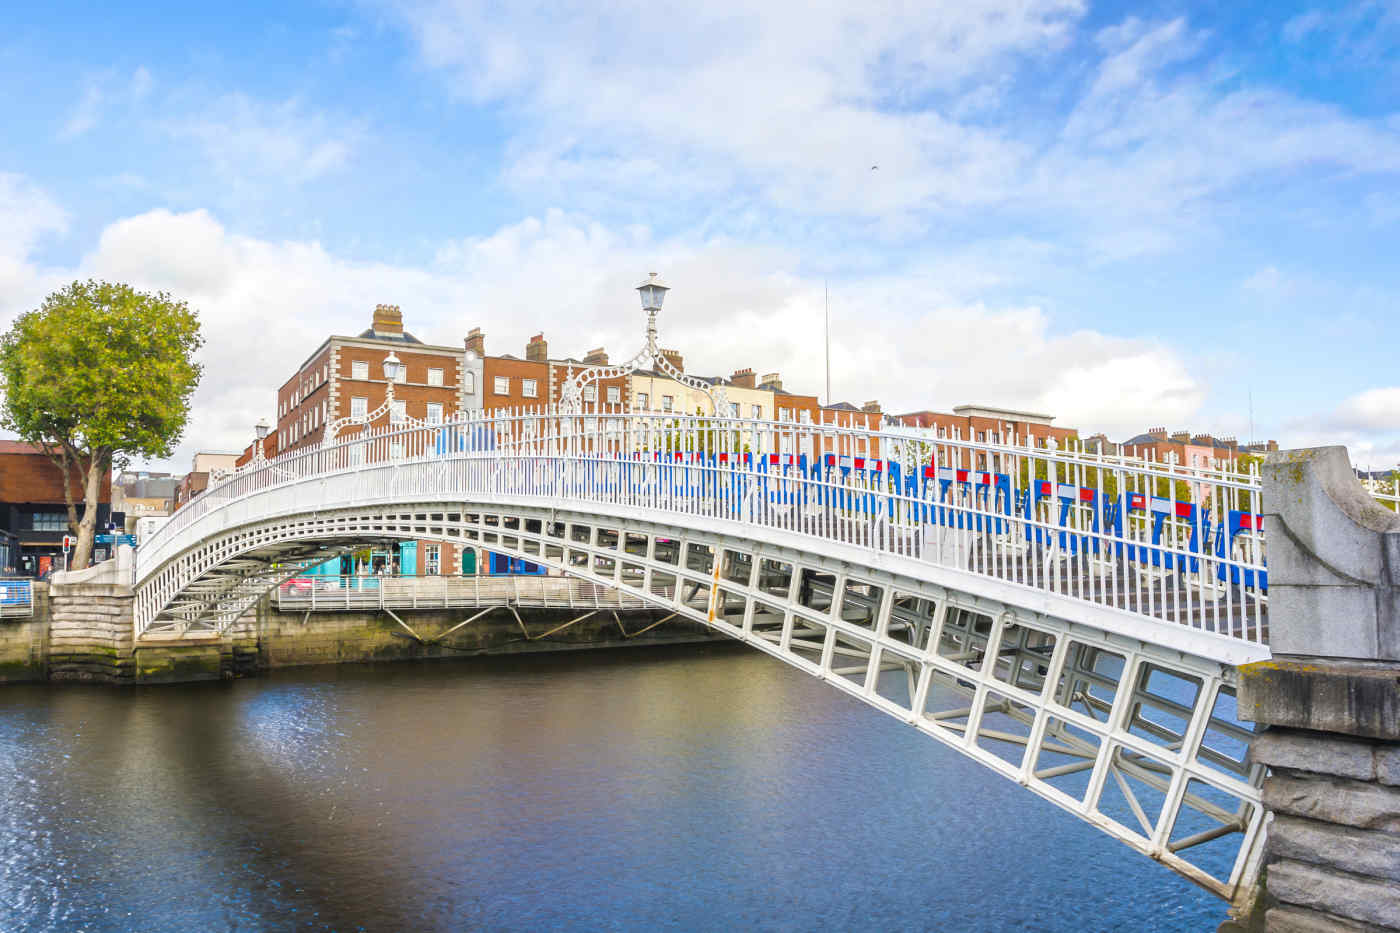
[66,461]
[87,526]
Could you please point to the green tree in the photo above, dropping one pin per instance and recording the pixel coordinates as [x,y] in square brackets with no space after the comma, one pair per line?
[99,373]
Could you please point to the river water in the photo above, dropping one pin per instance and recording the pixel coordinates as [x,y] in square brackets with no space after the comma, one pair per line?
[684,788]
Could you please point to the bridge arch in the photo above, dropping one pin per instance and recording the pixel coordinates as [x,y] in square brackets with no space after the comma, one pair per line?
[1131,738]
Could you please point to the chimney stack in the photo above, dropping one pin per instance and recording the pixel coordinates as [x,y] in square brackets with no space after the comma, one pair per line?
[675,359]
[537,350]
[1183,437]
[872,407]
[1159,434]
[596,357]
[744,378]
[388,321]
[771,381]
[476,342]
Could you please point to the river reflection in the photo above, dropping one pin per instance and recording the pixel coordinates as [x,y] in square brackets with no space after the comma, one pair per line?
[680,788]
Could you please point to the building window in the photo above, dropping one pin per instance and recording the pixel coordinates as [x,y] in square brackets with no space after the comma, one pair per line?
[614,395]
[643,401]
[432,559]
[530,388]
[435,412]
[734,409]
[668,402]
[359,406]
[49,521]
[434,377]
[590,393]
[757,411]
[502,385]
[398,411]
[469,382]
[359,369]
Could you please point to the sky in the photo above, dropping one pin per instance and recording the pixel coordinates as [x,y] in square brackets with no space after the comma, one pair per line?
[1125,215]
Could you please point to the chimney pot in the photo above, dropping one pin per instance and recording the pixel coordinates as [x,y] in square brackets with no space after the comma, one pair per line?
[743,378]
[476,342]
[387,321]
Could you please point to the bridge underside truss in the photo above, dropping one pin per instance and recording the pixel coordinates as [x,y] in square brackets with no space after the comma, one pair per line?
[1138,739]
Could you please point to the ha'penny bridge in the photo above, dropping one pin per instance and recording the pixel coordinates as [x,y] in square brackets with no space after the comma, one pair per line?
[1048,614]
[1076,623]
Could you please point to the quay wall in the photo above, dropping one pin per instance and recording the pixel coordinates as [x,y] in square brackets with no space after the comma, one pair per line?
[82,631]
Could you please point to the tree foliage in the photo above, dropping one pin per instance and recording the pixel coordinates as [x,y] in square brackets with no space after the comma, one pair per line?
[98,374]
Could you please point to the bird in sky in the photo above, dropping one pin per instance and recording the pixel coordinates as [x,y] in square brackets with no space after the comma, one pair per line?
[874,167]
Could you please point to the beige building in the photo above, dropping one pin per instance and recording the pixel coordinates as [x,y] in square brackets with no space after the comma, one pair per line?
[653,391]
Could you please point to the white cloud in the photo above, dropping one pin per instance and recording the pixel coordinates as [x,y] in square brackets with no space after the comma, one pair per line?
[85,113]
[1372,410]
[253,142]
[103,93]
[29,216]
[786,106]
[266,305]
[1367,424]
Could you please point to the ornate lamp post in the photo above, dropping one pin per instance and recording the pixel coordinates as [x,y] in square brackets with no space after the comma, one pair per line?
[260,432]
[393,367]
[652,292]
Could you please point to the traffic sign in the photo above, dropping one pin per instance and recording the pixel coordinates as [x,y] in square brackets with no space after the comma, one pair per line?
[101,539]
[67,542]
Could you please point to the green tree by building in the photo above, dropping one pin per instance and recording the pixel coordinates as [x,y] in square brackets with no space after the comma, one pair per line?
[98,374]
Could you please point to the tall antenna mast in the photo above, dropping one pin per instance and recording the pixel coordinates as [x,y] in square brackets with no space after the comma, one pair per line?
[826,294]
[1251,416]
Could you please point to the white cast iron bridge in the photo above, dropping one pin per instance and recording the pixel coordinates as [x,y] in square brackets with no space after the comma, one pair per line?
[1072,622]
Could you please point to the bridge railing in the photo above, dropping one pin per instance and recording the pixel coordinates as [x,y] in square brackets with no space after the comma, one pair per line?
[16,598]
[1171,542]
[367,592]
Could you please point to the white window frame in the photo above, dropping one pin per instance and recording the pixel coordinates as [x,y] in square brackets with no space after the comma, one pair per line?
[590,393]
[614,395]
[501,385]
[398,411]
[643,401]
[432,560]
[530,388]
[434,415]
[359,369]
[668,403]
[434,375]
[469,382]
[359,406]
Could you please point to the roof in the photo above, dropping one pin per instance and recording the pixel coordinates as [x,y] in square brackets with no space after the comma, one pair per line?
[841,406]
[405,337]
[19,447]
[1149,439]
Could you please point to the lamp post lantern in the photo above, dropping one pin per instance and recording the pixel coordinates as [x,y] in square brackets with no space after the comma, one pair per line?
[260,432]
[652,293]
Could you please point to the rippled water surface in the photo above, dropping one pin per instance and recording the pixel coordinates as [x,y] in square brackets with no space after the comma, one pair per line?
[682,788]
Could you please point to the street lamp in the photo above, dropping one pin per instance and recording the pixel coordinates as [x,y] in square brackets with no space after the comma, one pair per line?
[653,293]
[392,367]
[260,431]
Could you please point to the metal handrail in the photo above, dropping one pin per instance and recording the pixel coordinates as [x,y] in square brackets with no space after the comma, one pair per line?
[1175,543]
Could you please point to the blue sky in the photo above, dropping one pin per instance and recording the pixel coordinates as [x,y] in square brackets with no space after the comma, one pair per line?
[1127,214]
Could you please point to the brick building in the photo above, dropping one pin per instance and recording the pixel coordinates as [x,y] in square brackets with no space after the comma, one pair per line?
[989,425]
[33,515]
[1187,449]
[345,376]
